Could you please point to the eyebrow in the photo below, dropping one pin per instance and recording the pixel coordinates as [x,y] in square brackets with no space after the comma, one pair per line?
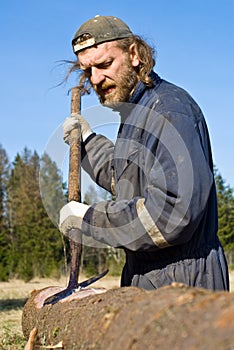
[106,61]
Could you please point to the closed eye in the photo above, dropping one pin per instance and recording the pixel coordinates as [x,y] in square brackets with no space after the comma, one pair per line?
[104,65]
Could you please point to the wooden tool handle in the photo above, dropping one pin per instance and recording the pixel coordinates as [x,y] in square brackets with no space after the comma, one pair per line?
[74,186]
[74,189]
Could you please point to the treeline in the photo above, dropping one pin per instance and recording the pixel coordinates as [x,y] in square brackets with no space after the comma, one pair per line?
[226,216]
[30,243]
[31,194]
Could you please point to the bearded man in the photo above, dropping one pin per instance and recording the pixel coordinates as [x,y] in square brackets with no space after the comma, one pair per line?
[159,170]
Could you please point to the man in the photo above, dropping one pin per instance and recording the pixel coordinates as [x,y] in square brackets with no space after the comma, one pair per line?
[160,169]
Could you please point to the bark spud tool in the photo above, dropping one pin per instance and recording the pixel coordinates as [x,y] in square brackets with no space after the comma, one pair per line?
[74,193]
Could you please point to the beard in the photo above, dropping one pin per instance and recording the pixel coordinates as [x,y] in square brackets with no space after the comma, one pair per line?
[123,86]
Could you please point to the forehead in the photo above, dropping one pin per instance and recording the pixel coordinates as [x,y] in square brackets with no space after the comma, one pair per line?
[97,54]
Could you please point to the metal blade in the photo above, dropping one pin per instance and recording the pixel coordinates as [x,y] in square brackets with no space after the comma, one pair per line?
[53,299]
[92,280]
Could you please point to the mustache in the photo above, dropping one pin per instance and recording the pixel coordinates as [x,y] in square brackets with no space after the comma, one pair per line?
[103,86]
[107,85]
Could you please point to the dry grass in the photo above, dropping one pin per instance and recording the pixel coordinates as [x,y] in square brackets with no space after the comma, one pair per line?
[13,296]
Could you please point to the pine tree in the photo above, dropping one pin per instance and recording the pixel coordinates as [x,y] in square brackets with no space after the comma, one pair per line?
[51,188]
[54,196]
[36,245]
[225,214]
[4,243]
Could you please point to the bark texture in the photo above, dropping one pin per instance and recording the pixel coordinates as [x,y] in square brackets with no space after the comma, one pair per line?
[172,317]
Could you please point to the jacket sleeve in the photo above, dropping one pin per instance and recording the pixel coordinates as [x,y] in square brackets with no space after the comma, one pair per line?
[175,195]
[97,155]
[176,199]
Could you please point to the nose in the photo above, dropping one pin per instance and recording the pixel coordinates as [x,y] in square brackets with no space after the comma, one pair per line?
[96,76]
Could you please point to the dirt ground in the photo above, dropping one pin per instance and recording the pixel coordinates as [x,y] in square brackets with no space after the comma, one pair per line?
[14,294]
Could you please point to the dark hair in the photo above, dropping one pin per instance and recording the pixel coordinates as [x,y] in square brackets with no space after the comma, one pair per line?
[145,54]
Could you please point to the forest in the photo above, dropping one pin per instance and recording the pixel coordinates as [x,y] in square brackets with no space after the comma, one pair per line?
[32,192]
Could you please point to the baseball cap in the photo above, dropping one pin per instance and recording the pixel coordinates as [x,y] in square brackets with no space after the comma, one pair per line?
[98,30]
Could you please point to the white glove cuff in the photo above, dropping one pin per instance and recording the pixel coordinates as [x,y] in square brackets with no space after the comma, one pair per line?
[86,135]
[71,216]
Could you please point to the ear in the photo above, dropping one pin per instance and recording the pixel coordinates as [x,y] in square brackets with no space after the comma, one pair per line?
[133,55]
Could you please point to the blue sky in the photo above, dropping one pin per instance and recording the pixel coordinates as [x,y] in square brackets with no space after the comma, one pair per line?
[194,43]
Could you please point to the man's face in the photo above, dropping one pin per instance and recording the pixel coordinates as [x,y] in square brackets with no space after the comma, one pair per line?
[110,71]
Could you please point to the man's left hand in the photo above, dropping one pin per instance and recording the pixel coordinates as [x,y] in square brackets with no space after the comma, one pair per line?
[71,216]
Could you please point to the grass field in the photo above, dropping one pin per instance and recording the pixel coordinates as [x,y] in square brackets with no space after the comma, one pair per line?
[13,296]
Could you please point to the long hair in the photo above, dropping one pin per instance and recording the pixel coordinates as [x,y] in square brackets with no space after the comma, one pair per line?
[145,54]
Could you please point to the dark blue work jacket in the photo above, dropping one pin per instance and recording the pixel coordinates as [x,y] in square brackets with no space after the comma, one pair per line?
[160,171]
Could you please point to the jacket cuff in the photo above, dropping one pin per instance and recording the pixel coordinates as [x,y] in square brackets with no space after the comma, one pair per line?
[87,222]
[90,137]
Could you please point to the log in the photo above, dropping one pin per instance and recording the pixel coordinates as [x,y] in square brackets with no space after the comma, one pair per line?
[171,317]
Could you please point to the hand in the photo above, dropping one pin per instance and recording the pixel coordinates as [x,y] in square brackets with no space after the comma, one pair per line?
[71,216]
[72,123]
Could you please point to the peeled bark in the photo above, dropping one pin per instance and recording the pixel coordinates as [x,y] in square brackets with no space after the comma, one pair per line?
[172,317]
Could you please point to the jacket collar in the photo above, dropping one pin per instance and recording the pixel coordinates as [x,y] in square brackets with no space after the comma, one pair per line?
[124,109]
[141,87]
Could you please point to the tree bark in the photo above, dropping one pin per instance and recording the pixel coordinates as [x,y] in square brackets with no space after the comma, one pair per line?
[172,317]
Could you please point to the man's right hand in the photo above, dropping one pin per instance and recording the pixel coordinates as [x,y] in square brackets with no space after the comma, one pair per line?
[72,123]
